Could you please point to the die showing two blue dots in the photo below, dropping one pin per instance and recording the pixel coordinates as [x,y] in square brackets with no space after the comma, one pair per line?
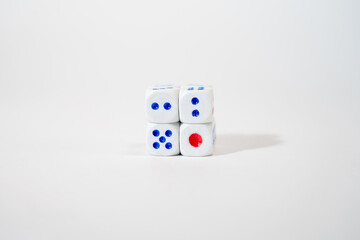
[155,106]
[162,139]
[196,112]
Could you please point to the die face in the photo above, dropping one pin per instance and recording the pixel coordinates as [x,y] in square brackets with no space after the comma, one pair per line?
[162,105]
[196,104]
[197,140]
[163,139]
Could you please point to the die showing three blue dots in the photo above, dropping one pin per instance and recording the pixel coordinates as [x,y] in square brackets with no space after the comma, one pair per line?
[162,139]
[155,106]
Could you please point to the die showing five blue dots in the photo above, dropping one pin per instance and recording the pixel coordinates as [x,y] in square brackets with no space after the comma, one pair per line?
[162,139]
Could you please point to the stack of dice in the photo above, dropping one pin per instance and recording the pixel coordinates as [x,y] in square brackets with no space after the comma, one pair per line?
[181,120]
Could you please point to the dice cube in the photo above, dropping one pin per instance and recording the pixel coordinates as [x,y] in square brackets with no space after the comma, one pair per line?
[162,104]
[196,104]
[163,139]
[197,140]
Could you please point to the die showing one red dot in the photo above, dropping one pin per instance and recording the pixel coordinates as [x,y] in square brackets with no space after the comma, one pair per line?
[195,140]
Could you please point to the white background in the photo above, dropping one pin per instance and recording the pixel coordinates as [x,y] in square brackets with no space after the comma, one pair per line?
[286,77]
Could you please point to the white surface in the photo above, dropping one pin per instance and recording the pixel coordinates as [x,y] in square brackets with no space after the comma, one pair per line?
[204,106]
[174,139]
[162,96]
[72,126]
[205,130]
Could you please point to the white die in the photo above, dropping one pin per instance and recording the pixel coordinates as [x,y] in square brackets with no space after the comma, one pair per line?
[197,140]
[163,139]
[196,104]
[162,104]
